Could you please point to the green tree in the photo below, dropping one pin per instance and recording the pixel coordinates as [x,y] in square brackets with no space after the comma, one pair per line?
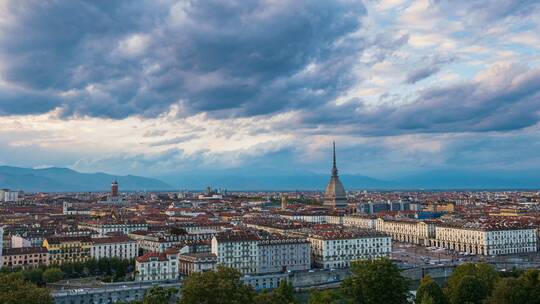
[524,289]
[53,275]
[159,295]
[369,278]
[34,275]
[470,290]
[283,294]
[15,290]
[430,288]
[427,299]
[486,275]
[328,296]
[222,286]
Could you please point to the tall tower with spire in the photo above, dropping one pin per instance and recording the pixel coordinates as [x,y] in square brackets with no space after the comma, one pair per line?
[335,196]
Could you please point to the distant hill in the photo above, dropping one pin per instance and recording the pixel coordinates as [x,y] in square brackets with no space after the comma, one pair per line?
[63,179]
[267,180]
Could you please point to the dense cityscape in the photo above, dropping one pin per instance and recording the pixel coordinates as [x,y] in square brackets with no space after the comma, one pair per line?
[270,152]
[114,247]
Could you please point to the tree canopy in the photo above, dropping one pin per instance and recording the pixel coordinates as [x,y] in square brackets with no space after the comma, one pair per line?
[524,289]
[486,276]
[429,290]
[222,286]
[53,275]
[375,281]
[15,290]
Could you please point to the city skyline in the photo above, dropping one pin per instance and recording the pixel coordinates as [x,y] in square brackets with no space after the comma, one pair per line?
[168,89]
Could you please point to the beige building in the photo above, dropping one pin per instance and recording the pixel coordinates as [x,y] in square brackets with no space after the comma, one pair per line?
[406,230]
[359,221]
[196,262]
[24,257]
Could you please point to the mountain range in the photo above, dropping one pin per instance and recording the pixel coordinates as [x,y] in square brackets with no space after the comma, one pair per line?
[63,179]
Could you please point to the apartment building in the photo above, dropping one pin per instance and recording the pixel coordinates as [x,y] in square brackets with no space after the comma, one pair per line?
[277,253]
[337,248]
[25,257]
[238,250]
[120,247]
[406,230]
[485,238]
[196,262]
[157,266]
[68,249]
[359,221]
[105,227]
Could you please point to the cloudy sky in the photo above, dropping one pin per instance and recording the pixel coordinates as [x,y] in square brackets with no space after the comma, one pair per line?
[161,86]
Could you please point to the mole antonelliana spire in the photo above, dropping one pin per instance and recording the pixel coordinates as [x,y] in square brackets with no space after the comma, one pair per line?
[335,195]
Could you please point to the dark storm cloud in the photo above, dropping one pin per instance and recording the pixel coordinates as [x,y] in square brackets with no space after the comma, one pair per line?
[508,99]
[224,57]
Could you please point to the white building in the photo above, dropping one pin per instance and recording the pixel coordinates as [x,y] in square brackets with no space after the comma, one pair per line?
[283,254]
[18,241]
[102,228]
[7,195]
[67,209]
[338,248]
[157,266]
[120,247]
[237,250]
[485,239]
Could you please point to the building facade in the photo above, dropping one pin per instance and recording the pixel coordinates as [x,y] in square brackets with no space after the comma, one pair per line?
[120,247]
[68,249]
[283,254]
[406,230]
[337,249]
[24,257]
[485,240]
[237,250]
[196,262]
[103,228]
[157,266]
